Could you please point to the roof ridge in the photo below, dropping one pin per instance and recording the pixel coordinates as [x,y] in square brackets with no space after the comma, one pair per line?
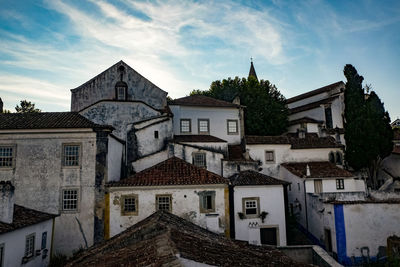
[312,92]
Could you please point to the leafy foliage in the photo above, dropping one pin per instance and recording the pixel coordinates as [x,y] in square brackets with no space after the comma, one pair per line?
[368,133]
[26,107]
[265,113]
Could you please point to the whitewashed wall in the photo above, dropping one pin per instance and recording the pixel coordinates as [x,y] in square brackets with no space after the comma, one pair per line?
[218,120]
[14,245]
[114,159]
[329,185]
[149,161]
[185,203]
[309,100]
[271,200]
[311,128]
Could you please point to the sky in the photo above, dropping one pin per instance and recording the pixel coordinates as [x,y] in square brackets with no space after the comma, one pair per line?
[48,47]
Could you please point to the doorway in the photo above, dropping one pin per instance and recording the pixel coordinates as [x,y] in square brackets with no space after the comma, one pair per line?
[269,236]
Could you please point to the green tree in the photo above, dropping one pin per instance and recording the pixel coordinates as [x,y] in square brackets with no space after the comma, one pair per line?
[368,133]
[26,107]
[265,113]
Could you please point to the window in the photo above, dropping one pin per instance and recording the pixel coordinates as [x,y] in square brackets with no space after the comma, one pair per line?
[163,202]
[339,184]
[328,117]
[156,134]
[71,155]
[269,157]
[6,156]
[44,240]
[318,186]
[204,126]
[199,160]
[29,245]
[129,205]
[70,199]
[186,126]
[290,187]
[251,206]
[339,160]
[233,127]
[1,255]
[331,157]
[207,201]
[298,186]
[121,93]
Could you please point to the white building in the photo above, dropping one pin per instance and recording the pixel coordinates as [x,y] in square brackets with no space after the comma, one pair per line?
[25,234]
[258,208]
[175,186]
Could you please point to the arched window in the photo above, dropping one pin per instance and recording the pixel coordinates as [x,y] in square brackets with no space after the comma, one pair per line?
[121,90]
[339,158]
[331,157]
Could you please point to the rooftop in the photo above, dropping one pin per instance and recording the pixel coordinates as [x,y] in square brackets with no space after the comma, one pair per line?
[315,92]
[304,120]
[163,239]
[200,138]
[318,169]
[173,171]
[202,101]
[24,217]
[254,178]
[312,105]
[236,153]
[46,120]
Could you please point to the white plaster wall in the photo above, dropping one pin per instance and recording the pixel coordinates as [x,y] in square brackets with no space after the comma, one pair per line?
[329,185]
[337,108]
[185,203]
[149,161]
[114,159]
[220,147]
[218,120]
[271,201]
[14,245]
[311,128]
[213,159]
[308,100]
[147,144]
[369,225]
[39,177]
[317,113]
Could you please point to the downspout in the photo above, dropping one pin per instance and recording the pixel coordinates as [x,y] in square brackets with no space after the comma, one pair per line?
[285,200]
[52,238]
[305,203]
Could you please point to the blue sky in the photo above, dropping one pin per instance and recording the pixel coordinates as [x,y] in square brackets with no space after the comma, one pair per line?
[48,47]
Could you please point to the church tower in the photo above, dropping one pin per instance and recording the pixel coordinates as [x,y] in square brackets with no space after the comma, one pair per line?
[252,71]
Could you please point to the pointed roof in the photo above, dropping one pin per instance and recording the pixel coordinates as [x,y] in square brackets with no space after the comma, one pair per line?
[250,177]
[164,239]
[202,101]
[318,169]
[252,71]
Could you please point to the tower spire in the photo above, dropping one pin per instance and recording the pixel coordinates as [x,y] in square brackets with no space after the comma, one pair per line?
[252,71]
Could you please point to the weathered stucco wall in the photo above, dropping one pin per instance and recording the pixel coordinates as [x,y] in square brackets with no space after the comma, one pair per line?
[329,185]
[185,203]
[114,159]
[271,201]
[14,245]
[39,179]
[149,161]
[102,87]
[217,121]
[229,168]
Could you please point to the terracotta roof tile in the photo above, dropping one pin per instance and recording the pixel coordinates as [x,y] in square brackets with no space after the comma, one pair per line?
[304,120]
[318,169]
[46,120]
[311,140]
[315,92]
[257,140]
[162,238]
[254,178]
[24,217]
[199,138]
[204,101]
[173,171]
[235,153]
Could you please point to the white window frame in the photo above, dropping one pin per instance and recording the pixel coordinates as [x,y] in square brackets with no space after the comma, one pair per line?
[121,92]
[339,184]
[267,159]
[197,162]
[236,127]
[204,196]
[7,158]
[63,199]
[189,126]
[30,245]
[169,197]
[125,212]
[199,121]
[70,162]
[245,207]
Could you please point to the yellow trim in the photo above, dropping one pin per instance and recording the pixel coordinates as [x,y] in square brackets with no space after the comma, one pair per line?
[226,198]
[107,217]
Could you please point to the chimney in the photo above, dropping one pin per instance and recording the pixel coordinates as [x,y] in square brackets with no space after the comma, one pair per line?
[246,154]
[6,201]
[236,100]
[1,105]
[308,173]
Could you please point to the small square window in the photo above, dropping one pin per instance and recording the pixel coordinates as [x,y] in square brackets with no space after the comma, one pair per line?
[71,155]
[163,202]
[44,240]
[130,205]
[339,184]
[6,156]
[156,134]
[204,126]
[199,160]
[207,201]
[70,200]
[251,206]
[186,126]
[29,245]
[269,156]
[233,127]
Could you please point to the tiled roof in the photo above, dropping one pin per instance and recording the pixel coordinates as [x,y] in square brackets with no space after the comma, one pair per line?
[162,239]
[203,101]
[318,169]
[24,217]
[304,120]
[236,153]
[254,178]
[312,105]
[198,138]
[366,201]
[315,92]
[311,140]
[46,120]
[173,171]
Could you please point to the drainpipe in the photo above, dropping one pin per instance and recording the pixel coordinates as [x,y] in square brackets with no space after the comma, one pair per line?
[305,203]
